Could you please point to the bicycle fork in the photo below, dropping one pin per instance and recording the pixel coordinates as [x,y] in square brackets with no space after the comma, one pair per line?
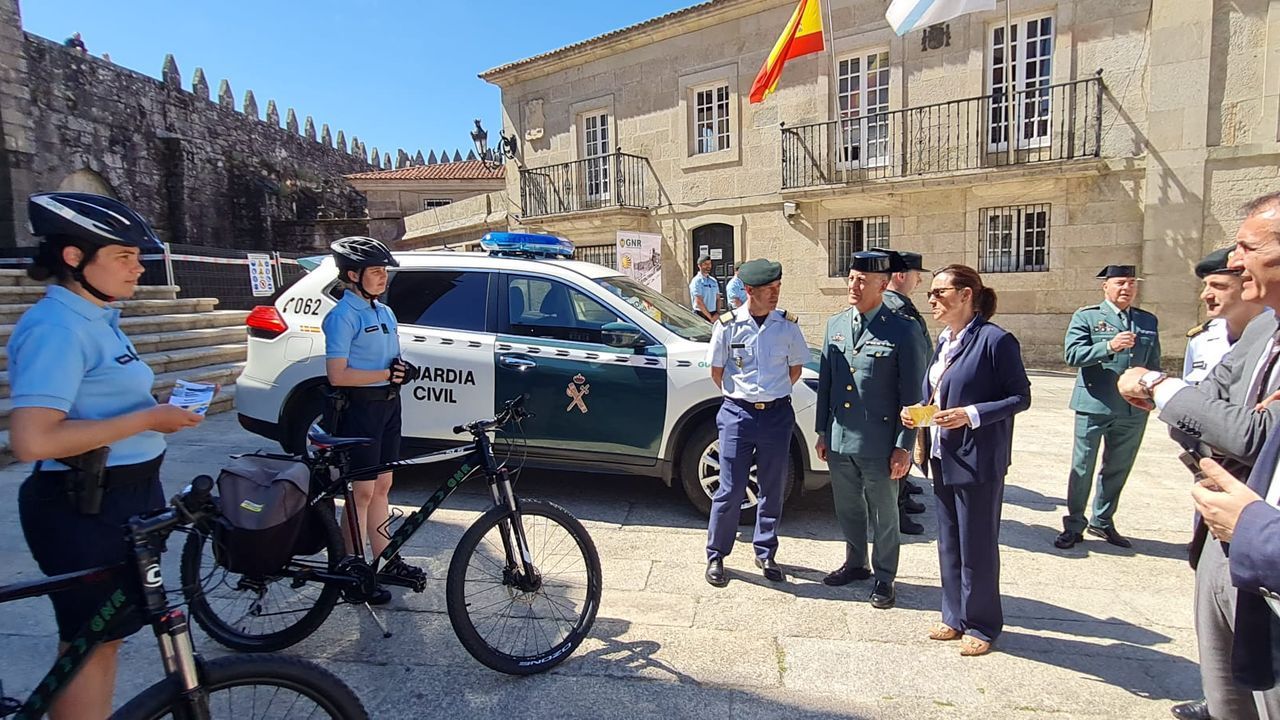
[514,542]
[173,633]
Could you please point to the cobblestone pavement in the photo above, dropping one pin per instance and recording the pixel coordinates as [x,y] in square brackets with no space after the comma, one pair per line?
[1092,632]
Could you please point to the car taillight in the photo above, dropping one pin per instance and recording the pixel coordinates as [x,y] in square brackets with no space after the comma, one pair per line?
[264,321]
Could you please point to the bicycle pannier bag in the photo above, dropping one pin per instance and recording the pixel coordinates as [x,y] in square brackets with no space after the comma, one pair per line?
[264,503]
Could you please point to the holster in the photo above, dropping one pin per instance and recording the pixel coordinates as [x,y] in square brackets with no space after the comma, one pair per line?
[86,481]
[336,402]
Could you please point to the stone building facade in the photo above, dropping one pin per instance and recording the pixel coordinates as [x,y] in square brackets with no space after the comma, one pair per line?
[1138,128]
[205,172]
[396,194]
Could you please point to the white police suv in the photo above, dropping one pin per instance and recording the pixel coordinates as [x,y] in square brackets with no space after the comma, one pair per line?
[615,372]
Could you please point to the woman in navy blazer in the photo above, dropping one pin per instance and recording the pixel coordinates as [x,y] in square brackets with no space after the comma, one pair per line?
[981,384]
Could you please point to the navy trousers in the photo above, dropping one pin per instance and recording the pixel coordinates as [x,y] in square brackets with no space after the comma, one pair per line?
[747,436]
[969,554]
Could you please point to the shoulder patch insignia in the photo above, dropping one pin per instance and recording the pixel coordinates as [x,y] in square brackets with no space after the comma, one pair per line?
[1198,329]
[726,318]
[791,316]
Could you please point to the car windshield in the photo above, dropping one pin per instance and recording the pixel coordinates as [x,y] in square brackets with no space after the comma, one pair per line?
[674,317]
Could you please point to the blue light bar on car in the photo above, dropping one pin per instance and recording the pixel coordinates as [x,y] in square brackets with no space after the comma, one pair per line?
[526,245]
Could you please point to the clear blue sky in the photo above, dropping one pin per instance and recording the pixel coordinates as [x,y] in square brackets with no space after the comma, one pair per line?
[395,73]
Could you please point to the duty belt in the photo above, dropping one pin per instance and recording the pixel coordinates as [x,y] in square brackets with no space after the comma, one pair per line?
[373,393]
[749,405]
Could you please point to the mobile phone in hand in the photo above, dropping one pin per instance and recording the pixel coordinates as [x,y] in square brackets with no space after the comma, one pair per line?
[1191,458]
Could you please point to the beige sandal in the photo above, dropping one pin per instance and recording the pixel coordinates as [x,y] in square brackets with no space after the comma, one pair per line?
[971,646]
[943,631]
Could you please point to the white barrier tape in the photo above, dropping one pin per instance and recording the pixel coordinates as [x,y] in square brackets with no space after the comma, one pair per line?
[184,258]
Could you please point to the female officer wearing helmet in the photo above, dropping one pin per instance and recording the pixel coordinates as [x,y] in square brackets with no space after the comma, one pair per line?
[362,362]
[79,389]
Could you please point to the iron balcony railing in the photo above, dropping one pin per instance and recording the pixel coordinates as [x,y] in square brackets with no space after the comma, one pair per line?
[614,180]
[1053,122]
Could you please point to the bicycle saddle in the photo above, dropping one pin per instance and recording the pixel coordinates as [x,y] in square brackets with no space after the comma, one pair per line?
[320,438]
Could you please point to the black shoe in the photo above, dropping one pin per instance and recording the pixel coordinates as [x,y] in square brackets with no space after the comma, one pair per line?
[715,573]
[907,526]
[1111,535]
[908,505]
[846,574]
[884,596]
[1194,710]
[397,569]
[1067,539]
[910,488]
[772,572]
[380,596]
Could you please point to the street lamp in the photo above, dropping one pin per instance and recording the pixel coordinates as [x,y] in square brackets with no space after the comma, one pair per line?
[506,149]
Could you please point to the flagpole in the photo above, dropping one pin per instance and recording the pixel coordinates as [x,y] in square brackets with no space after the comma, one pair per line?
[830,33]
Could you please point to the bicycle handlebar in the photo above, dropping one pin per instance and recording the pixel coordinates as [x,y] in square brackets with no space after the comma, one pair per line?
[513,409]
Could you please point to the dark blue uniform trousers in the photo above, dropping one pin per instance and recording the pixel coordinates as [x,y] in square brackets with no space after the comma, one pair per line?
[746,436]
[969,554]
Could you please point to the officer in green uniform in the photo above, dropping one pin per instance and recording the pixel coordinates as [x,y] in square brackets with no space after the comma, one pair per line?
[1104,341]
[872,365]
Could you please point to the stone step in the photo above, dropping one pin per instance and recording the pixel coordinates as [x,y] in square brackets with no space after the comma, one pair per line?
[223,374]
[128,308]
[11,276]
[175,360]
[144,324]
[177,340]
[224,402]
[10,294]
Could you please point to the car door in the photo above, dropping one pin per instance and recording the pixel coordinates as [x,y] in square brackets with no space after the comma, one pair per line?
[444,317]
[589,398]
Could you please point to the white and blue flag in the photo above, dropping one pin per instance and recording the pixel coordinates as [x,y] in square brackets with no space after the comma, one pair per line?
[907,15]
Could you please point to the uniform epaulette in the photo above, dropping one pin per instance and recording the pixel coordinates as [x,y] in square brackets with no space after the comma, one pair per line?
[1090,307]
[726,318]
[1198,329]
[791,316]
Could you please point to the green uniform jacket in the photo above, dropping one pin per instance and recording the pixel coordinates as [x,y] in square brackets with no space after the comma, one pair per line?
[862,387]
[1086,348]
[902,305]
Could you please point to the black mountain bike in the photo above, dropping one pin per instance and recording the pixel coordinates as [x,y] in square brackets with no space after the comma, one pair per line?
[522,589]
[235,688]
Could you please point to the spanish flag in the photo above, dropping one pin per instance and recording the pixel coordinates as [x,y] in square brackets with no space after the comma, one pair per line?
[803,35]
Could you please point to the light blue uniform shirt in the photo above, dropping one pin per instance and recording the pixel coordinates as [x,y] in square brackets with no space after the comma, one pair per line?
[737,292]
[757,359]
[68,354]
[365,335]
[705,287]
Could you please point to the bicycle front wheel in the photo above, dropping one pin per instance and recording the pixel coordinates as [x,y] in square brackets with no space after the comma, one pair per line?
[249,687]
[518,625]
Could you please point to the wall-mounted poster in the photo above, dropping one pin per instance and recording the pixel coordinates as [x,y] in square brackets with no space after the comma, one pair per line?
[640,257]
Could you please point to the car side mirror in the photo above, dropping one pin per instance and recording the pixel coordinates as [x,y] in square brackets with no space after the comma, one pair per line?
[622,335]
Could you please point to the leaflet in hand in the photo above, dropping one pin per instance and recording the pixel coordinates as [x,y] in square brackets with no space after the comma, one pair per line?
[193,396]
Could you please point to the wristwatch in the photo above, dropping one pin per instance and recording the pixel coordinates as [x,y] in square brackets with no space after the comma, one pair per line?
[1150,380]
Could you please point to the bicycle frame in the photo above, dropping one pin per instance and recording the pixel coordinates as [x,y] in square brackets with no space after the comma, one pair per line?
[476,455]
[170,624]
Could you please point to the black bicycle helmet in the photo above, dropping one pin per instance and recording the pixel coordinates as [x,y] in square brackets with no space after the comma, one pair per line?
[358,253]
[86,221]
[91,219]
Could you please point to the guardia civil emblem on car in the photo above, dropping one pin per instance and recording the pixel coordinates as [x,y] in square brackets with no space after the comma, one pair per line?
[577,390]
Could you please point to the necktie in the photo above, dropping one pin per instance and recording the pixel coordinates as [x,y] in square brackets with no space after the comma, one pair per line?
[1260,384]
[1124,321]
[859,324]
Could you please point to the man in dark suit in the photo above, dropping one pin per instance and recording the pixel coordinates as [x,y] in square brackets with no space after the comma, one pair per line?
[1219,417]
[1104,340]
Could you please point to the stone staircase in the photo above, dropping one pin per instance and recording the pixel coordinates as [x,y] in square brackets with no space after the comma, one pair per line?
[178,338]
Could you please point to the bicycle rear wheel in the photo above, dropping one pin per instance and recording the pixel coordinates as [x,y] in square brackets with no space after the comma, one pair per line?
[261,614]
[263,687]
[530,629]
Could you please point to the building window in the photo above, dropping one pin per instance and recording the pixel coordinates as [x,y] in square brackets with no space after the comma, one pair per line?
[863,102]
[595,153]
[606,255]
[711,120]
[449,299]
[1031,67]
[1014,239]
[847,236]
[430,203]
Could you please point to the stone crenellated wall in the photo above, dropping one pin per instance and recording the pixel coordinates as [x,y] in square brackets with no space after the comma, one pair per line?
[205,171]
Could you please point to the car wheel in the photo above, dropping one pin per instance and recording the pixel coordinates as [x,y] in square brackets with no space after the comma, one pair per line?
[305,409]
[700,474]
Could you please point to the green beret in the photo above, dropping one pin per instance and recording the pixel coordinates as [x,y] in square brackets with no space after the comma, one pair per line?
[759,272]
[1215,263]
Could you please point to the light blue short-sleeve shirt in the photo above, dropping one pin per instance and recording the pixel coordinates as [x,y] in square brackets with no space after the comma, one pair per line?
[757,359]
[737,292]
[364,334]
[68,354]
[705,287]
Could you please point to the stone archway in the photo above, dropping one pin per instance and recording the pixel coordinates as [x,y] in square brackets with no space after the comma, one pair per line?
[88,181]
